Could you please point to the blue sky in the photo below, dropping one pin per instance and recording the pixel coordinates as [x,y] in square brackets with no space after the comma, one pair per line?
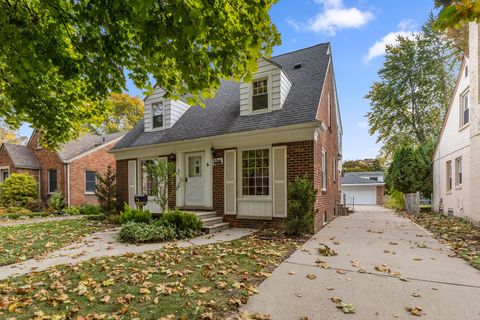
[357,30]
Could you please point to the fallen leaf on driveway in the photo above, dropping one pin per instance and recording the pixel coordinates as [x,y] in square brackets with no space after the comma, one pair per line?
[417,259]
[336,242]
[325,250]
[336,299]
[386,251]
[311,276]
[386,269]
[415,295]
[393,243]
[414,311]
[299,295]
[341,271]
[346,308]
[330,288]
[292,273]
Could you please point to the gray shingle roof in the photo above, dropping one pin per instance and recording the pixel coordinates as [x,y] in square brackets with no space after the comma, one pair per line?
[354,179]
[85,143]
[22,156]
[222,113]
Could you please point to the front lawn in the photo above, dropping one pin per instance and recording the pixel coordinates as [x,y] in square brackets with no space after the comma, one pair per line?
[198,282]
[21,242]
[461,235]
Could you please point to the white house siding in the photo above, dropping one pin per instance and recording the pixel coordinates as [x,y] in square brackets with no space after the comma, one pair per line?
[278,87]
[474,209]
[454,143]
[364,194]
[173,109]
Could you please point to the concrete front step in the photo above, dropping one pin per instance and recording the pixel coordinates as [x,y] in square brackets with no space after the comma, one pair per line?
[216,227]
[205,214]
[211,221]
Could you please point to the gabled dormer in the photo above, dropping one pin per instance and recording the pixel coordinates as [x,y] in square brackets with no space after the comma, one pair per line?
[267,91]
[161,113]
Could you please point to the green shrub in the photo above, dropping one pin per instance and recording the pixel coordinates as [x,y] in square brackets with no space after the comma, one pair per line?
[396,201]
[106,191]
[18,210]
[89,209]
[96,217]
[72,211]
[36,205]
[18,190]
[13,216]
[301,201]
[56,202]
[186,224]
[131,214]
[113,219]
[135,232]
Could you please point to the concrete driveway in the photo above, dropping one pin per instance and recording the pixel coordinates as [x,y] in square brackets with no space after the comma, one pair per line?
[443,287]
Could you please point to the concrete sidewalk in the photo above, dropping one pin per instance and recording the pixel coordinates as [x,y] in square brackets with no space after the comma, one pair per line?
[105,243]
[443,287]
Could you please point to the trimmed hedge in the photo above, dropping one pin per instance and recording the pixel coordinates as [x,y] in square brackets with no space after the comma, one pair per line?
[131,214]
[186,224]
[138,232]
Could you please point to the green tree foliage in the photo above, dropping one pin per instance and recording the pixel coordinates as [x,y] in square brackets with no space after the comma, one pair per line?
[301,211]
[106,191]
[59,59]
[453,13]
[411,170]
[362,165]
[123,112]
[18,190]
[416,82]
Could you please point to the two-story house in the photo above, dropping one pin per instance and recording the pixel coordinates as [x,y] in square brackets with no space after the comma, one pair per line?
[71,169]
[456,168]
[237,155]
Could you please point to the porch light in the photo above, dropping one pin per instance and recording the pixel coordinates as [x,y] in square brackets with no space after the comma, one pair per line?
[172,157]
[212,150]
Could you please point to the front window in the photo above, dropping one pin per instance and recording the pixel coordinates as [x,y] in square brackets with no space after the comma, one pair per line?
[158,112]
[90,181]
[147,179]
[458,172]
[449,175]
[260,95]
[255,172]
[52,181]
[3,175]
[464,110]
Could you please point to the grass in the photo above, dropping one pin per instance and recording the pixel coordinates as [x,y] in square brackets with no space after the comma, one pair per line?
[463,236]
[198,282]
[21,242]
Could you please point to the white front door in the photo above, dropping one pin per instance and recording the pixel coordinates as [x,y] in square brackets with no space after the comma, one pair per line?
[194,179]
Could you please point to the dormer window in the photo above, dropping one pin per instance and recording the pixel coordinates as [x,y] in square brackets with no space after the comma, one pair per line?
[158,112]
[260,95]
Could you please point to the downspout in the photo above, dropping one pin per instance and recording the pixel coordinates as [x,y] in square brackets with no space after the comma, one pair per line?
[68,184]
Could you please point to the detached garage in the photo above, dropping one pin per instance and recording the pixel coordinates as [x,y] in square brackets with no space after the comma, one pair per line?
[366,188]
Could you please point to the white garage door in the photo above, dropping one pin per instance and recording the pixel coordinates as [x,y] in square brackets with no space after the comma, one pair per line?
[362,194]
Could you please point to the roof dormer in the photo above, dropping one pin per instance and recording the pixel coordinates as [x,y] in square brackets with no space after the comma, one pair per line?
[161,113]
[267,91]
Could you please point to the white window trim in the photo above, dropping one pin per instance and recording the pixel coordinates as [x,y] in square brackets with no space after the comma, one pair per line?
[85,184]
[324,170]
[48,181]
[258,77]
[163,101]
[240,196]
[461,125]
[4,168]
[449,175]
[458,185]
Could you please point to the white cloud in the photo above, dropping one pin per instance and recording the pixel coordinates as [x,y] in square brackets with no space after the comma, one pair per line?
[363,124]
[335,16]
[406,29]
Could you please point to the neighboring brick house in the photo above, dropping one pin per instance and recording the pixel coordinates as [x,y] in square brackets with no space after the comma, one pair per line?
[237,155]
[70,170]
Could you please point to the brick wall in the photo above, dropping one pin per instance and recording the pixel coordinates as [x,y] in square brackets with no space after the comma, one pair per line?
[97,161]
[380,195]
[218,184]
[5,160]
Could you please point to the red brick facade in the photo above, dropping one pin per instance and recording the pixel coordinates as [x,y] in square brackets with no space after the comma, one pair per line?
[97,160]
[380,195]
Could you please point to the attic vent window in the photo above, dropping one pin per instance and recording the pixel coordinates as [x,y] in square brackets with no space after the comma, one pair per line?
[260,95]
[297,66]
[157,118]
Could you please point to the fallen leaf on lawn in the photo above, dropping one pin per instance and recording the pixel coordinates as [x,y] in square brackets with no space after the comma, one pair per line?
[414,311]
[204,289]
[235,301]
[105,299]
[311,276]
[346,308]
